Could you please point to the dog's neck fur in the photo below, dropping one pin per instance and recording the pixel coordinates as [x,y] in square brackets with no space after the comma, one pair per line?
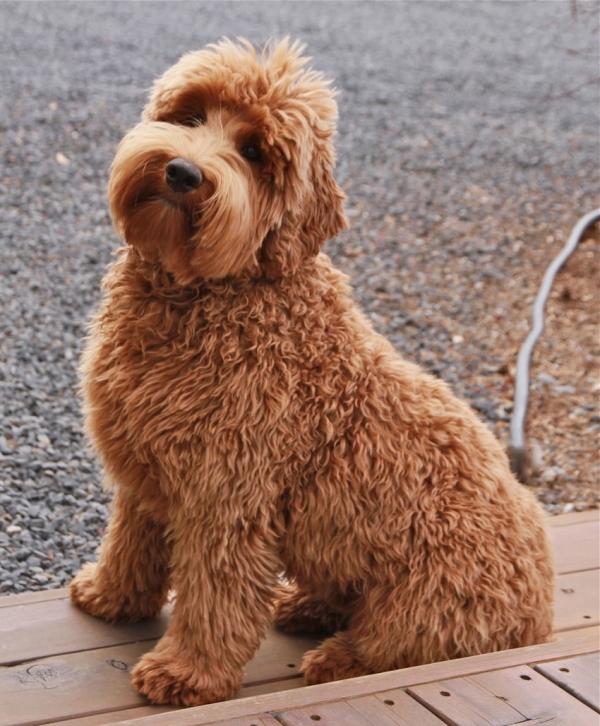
[152,280]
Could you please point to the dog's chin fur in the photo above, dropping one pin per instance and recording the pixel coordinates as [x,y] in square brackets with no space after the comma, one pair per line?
[252,421]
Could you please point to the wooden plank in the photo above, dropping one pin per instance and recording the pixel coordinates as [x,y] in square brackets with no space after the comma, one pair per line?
[580,633]
[75,685]
[366,685]
[375,712]
[406,708]
[263,719]
[463,702]
[338,713]
[260,689]
[86,683]
[561,520]
[542,721]
[113,717]
[54,627]
[576,547]
[535,696]
[398,705]
[577,600]
[269,687]
[579,676]
[25,598]
[279,657]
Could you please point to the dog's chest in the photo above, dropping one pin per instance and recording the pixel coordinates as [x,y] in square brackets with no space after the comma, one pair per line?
[165,376]
[254,383]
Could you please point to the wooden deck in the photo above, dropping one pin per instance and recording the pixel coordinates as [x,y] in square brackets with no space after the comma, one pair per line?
[60,666]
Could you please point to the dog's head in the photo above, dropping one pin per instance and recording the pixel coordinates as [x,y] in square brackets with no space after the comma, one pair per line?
[231,168]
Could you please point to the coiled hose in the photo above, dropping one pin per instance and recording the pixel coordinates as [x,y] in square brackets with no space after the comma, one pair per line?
[517,447]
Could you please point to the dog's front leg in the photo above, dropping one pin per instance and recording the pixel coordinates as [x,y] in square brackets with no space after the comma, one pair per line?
[131,580]
[224,573]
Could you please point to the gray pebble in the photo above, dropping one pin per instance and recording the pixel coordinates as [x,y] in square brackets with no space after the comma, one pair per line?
[565,389]
[551,474]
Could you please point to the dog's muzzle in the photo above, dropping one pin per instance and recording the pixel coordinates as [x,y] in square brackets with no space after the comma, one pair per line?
[183,176]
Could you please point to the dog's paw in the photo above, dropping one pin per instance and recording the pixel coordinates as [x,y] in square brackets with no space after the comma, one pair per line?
[334,660]
[174,680]
[295,612]
[86,595]
[108,602]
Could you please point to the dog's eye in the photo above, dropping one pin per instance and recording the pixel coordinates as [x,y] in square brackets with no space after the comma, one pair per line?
[196,120]
[251,152]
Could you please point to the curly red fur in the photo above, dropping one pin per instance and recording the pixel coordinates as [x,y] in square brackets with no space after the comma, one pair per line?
[252,422]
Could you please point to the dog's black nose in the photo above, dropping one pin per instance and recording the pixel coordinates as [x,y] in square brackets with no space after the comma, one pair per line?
[183,176]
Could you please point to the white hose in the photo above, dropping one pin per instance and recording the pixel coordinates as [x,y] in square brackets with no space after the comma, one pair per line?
[517,423]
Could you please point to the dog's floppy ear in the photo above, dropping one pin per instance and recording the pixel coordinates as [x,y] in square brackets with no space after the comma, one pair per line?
[314,203]
[302,232]
[302,122]
[323,211]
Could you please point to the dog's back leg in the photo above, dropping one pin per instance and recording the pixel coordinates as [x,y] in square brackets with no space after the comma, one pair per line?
[334,660]
[379,635]
[402,625]
[298,611]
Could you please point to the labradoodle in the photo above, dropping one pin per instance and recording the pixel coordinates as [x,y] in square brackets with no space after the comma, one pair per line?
[252,423]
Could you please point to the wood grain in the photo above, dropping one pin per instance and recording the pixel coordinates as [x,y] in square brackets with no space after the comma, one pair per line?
[263,719]
[331,714]
[579,633]
[79,684]
[535,696]
[579,676]
[577,600]
[407,711]
[576,547]
[26,598]
[463,702]
[279,657]
[113,717]
[561,520]
[55,627]
[92,682]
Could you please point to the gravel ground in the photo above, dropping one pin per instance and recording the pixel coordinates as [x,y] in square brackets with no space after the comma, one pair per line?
[468,147]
